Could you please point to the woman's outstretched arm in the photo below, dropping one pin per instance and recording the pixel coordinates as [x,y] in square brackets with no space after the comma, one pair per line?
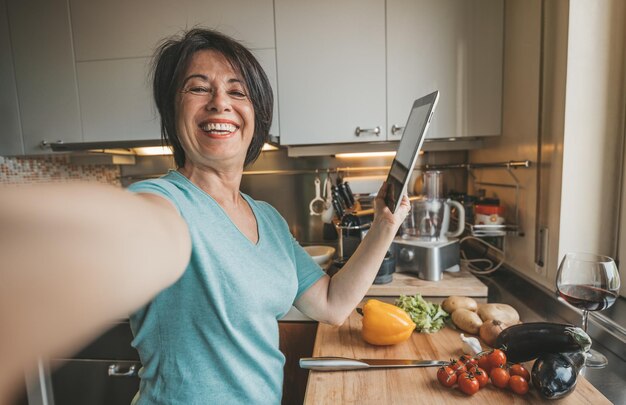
[74,257]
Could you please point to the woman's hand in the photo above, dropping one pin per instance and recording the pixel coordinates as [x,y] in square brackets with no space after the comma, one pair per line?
[384,216]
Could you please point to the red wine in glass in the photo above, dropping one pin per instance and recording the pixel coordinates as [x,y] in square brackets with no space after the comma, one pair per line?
[587,297]
[588,282]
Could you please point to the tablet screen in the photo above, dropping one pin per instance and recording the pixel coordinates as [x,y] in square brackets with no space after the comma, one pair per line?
[408,149]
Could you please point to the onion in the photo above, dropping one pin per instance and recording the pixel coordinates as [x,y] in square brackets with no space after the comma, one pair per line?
[490,330]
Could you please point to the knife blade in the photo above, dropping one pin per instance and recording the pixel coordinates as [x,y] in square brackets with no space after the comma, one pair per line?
[344,363]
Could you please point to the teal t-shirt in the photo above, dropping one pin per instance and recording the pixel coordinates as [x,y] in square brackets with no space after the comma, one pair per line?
[212,337]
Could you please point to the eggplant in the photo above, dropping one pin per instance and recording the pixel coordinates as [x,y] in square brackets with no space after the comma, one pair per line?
[554,374]
[527,341]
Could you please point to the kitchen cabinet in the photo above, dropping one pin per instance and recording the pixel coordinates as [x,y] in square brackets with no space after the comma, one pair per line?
[121,29]
[335,77]
[113,56]
[331,71]
[116,100]
[45,75]
[296,341]
[11,139]
[454,46]
[89,80]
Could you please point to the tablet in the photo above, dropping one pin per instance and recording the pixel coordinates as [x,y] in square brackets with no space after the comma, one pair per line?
[408,149]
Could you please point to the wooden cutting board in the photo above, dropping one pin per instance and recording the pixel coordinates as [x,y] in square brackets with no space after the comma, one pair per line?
[412,385]
[461,283]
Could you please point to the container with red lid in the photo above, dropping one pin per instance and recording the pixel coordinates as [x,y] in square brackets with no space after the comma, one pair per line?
[488,214]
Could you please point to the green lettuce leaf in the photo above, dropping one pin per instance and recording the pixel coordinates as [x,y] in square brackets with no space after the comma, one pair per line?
[427,316]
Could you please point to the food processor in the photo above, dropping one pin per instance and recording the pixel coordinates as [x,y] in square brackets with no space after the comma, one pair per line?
[426,247]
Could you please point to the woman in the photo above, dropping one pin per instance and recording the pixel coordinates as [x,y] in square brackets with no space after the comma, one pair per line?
[214,333]
[212,336]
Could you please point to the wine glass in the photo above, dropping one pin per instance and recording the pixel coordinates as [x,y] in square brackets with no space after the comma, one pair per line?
[591,283]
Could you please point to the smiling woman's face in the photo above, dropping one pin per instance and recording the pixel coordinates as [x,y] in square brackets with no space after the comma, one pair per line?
[214,114]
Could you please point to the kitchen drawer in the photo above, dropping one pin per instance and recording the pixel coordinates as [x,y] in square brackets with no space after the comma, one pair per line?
[79,382]
[114,344]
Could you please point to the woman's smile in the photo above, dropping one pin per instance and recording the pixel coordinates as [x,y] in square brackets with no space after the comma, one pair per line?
[218,128]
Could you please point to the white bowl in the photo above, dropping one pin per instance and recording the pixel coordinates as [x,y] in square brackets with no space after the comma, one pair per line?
[321,254]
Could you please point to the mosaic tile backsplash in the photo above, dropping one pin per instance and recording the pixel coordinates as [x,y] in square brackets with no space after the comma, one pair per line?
[50,169]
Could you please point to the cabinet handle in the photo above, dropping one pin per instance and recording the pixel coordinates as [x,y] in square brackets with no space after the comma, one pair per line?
[114,371]
[395,128]
[375,131]
[48,145]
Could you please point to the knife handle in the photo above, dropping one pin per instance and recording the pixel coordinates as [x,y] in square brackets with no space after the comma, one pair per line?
[331,364]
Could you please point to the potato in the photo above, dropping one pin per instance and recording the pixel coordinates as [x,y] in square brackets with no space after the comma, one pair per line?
[502,312]
[467,320]
[453,302]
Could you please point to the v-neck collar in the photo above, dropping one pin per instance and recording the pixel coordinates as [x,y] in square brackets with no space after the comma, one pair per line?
[244,196]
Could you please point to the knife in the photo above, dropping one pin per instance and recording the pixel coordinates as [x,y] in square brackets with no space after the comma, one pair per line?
[344,363]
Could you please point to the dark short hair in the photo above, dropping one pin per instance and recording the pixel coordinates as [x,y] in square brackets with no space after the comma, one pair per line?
[171,61]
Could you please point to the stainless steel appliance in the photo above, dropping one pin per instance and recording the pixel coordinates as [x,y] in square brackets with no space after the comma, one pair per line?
[426,247]
[426,259]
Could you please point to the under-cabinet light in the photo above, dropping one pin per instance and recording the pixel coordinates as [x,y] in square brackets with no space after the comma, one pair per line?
[153,150]
[365,154]
[267,146]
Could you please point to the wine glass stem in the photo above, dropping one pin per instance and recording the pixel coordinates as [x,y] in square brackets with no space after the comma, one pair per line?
[585,316]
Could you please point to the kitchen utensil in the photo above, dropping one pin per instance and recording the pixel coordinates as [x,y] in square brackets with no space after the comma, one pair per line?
[343,191]
[339,197]
[329,211]
[337,207]
[588,282]
[321,254]
[344,363]
[316,206]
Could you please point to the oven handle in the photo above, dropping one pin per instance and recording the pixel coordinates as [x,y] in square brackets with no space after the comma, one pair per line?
[115,371]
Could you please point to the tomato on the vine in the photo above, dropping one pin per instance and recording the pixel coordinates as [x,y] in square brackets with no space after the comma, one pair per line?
[468,384]
[457,366]
[499,377]
[518,384]
[484,363]
[468,360]
[518,369]
[446,376]
[481,376]
[497,358]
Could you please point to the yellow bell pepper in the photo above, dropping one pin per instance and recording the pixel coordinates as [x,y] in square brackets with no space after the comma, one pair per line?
[385,324]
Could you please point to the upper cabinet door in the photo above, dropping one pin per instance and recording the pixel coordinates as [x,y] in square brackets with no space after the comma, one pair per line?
[44,72]
[11,136]
[454,46]
[126,29]
[249,21]
[116,100]
[331,70]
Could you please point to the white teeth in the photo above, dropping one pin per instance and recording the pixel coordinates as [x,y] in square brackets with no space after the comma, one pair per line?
[219,127]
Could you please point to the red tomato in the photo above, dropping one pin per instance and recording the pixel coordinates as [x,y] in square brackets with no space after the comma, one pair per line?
[472,368]
[446,376]
[467,360]
[457,366]
[518,369]
[483,362]
[500,377]
[518,384]
[468,384]
[481,376]
[497,358]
